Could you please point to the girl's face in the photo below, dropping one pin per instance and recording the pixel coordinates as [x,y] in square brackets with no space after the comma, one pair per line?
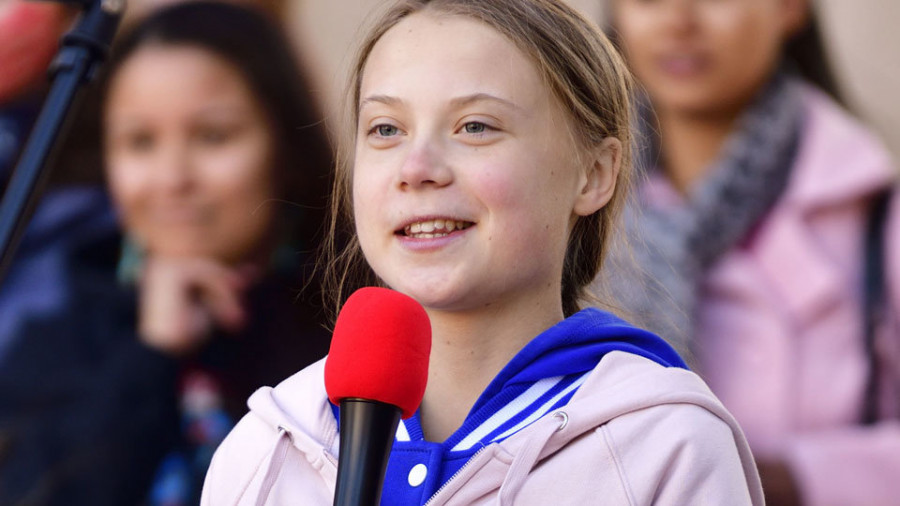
[703,56]
[465,174]
[189,155]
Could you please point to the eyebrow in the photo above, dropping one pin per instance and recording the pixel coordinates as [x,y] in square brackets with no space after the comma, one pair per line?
[379,99]
[455,103]
[213,111]
[482,97]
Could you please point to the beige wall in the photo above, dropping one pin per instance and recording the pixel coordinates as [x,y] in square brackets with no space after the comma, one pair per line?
[862,36]
[864,42]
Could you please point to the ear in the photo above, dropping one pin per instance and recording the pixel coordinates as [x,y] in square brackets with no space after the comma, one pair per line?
[795,16]
[599,181]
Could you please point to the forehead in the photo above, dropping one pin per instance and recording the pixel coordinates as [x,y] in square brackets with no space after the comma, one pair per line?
[180,66]
[442,55]
[185,77]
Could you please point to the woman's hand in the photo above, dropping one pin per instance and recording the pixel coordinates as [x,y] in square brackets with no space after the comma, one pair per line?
[183,299]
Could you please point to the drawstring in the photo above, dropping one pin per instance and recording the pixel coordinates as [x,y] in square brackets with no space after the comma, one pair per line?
[526,458]
[279,453]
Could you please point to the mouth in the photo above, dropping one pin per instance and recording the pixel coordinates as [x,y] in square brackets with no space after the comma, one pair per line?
[180,216]
[431,228]
[686,64]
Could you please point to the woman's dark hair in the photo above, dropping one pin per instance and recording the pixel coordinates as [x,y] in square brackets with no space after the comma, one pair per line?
[805,52]
[257,48]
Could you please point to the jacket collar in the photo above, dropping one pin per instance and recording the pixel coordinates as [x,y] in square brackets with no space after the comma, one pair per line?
[838,162]
[838,159]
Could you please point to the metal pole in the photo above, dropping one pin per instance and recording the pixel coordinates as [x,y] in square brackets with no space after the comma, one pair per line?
[82,52]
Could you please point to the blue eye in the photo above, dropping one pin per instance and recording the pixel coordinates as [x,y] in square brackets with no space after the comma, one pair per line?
[474,127]
[386,130]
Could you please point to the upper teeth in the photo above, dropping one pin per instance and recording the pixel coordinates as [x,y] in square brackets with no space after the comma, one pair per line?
[429,227]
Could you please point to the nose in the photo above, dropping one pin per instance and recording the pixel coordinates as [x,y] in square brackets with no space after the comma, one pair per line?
[425,165]
[681,15]
[173,167]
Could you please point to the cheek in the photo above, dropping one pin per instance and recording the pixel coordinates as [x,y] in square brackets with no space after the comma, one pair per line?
[242,173]
[367,201]
[244,197]
[747,41]
[128,186]
[372,177]
[526,205]
[526,179]
[636,31]
[244,211]
[511,177]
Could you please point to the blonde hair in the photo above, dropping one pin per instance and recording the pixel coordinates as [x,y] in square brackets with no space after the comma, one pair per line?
[586,75]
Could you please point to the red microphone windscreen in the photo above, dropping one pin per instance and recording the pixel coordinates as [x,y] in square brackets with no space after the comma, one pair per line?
[379,350]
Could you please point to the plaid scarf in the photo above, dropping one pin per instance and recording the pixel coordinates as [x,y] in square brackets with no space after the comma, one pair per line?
[672,247]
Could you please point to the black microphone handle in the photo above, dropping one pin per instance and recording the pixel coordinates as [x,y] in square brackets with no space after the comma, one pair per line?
[367,434]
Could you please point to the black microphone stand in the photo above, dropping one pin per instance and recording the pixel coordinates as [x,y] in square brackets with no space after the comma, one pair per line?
[82,52]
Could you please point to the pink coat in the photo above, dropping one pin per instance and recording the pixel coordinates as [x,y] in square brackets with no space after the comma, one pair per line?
[779,334]
[635,433]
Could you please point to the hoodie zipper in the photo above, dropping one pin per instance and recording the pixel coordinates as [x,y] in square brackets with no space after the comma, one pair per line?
[457,473]
[564,420]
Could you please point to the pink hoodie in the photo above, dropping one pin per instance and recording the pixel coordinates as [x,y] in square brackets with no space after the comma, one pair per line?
[635,433]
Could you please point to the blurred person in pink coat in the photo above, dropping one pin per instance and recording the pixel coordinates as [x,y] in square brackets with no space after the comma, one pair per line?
[750,234]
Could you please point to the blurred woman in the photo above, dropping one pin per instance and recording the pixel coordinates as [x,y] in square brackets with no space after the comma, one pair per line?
[217,163]
[749,232]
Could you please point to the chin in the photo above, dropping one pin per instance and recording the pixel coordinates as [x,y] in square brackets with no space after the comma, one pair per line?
[430,296]
[698,101]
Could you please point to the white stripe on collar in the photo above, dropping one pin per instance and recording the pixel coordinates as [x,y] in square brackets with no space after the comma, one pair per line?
[505,414]
[402,433]
[543,409]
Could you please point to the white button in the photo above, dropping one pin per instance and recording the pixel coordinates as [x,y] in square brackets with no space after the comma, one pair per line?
[417,475]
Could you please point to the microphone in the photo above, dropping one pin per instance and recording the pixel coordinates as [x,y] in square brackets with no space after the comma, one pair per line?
[376,372]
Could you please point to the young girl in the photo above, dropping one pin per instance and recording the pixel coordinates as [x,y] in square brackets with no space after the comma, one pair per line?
[491,156]
[759,193]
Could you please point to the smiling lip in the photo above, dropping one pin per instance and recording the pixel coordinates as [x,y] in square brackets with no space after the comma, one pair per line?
[431,229]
